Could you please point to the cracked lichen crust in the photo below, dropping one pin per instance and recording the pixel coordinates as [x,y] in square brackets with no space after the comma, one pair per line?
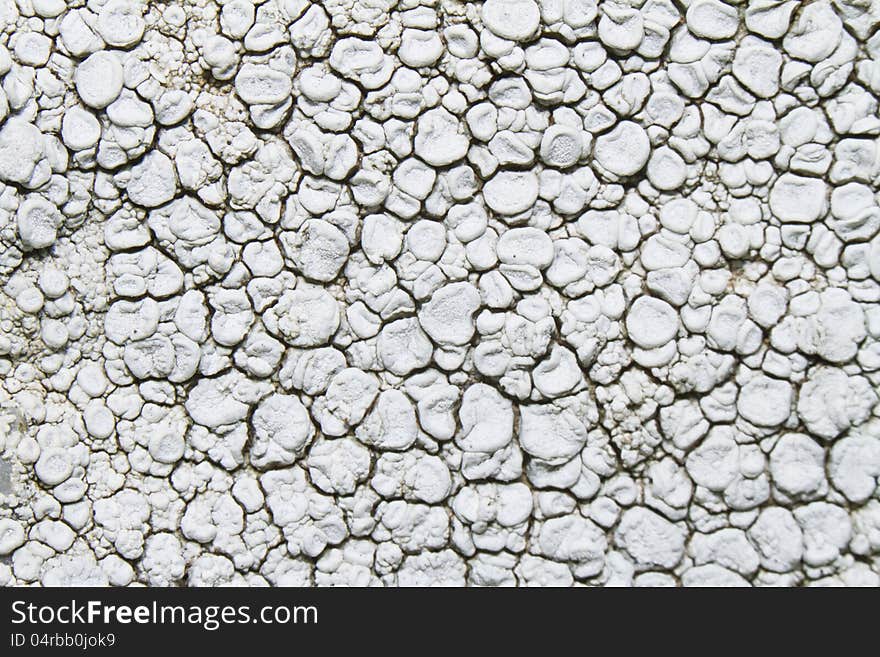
[435,292]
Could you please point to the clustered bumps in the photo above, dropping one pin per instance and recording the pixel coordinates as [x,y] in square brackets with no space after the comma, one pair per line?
[435,292]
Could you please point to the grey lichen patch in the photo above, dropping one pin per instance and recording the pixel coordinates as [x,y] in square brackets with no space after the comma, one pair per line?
[408,292]
[5,477]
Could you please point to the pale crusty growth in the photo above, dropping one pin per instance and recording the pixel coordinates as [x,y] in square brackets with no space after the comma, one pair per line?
[440,292]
